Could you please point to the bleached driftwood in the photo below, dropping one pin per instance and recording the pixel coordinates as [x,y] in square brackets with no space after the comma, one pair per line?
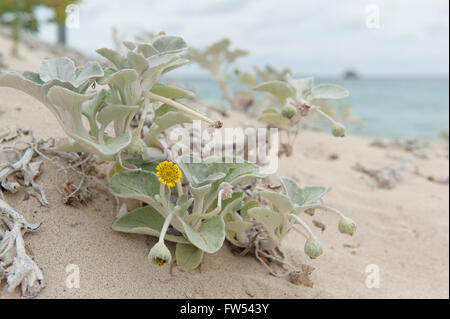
[15,265]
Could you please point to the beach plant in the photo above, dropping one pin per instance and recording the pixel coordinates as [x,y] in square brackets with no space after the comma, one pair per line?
[18,15]
[294,99]
[258,228]
[191,216]
[218,59]
[297,98]
[130,86]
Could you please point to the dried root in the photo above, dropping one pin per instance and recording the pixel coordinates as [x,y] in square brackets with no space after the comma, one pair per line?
[414,146]
[386,177]
[272,258]
[18,168]
[15,265]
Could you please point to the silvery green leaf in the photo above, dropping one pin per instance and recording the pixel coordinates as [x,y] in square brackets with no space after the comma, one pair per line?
[174,65]
[171,92]
[130,45]
[270,219]
[66,145]
[302,197]
[282,202]
[123,78]
[275,118]
[247,206]
[188,256]
[210,235]
[198,173]
[147,50]
[146,221]
[137,62]
[157,64]
[87,73]
[219,46]
[230,205]
[142,185]
[90,108]
[247,78]
[69,108]
[28,84]
[183,204]
[114,57]
[233,55]
[303,87]
[63,70]
[112,112]
[169,44]
[165,117]
[152,154]
[329,92]
[279,89]
[142,164]
[235,228]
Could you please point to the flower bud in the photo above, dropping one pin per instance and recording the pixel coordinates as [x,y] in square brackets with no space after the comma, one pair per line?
[289,111]
[338,130]
[313,247]
[136,147]
[347,226]
[160,254]
[310,211]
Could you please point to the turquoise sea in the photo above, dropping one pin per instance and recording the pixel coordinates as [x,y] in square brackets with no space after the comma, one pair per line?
[390,107]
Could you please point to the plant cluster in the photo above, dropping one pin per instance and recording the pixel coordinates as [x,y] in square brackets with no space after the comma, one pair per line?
[218,59]
[195,203]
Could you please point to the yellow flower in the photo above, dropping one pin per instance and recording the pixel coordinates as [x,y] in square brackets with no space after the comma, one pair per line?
[168,173]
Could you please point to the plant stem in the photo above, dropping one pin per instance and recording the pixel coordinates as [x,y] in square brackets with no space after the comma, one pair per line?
[165,227]
[303,224]
[330,209]
[137,133]
[180,107]
[318,110]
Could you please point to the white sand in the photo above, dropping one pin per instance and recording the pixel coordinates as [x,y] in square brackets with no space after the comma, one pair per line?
[405,231]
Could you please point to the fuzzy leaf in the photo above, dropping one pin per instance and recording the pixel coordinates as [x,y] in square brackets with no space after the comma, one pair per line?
[329,92]
[137,62]
[115,57]
[172,92]
[142,185]
[63,69]
[270,219]
[188,256]
[169,44]
[280,201]
[303,197]
[210,235]
[147,221]
[281,90]
[275,118]
[147,50]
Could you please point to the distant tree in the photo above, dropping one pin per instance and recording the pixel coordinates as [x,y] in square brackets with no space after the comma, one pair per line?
[59,8]
[18,15]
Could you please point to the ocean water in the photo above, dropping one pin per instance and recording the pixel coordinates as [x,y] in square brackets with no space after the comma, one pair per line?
[391,107]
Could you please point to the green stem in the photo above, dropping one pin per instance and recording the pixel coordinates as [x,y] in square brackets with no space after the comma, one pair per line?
[180,107]
[318,110]
[303,224]
[165,227]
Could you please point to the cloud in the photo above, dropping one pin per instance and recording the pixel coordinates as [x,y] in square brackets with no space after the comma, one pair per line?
[312,37]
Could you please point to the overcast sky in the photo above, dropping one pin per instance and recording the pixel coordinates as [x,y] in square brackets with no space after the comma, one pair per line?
[320,37]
